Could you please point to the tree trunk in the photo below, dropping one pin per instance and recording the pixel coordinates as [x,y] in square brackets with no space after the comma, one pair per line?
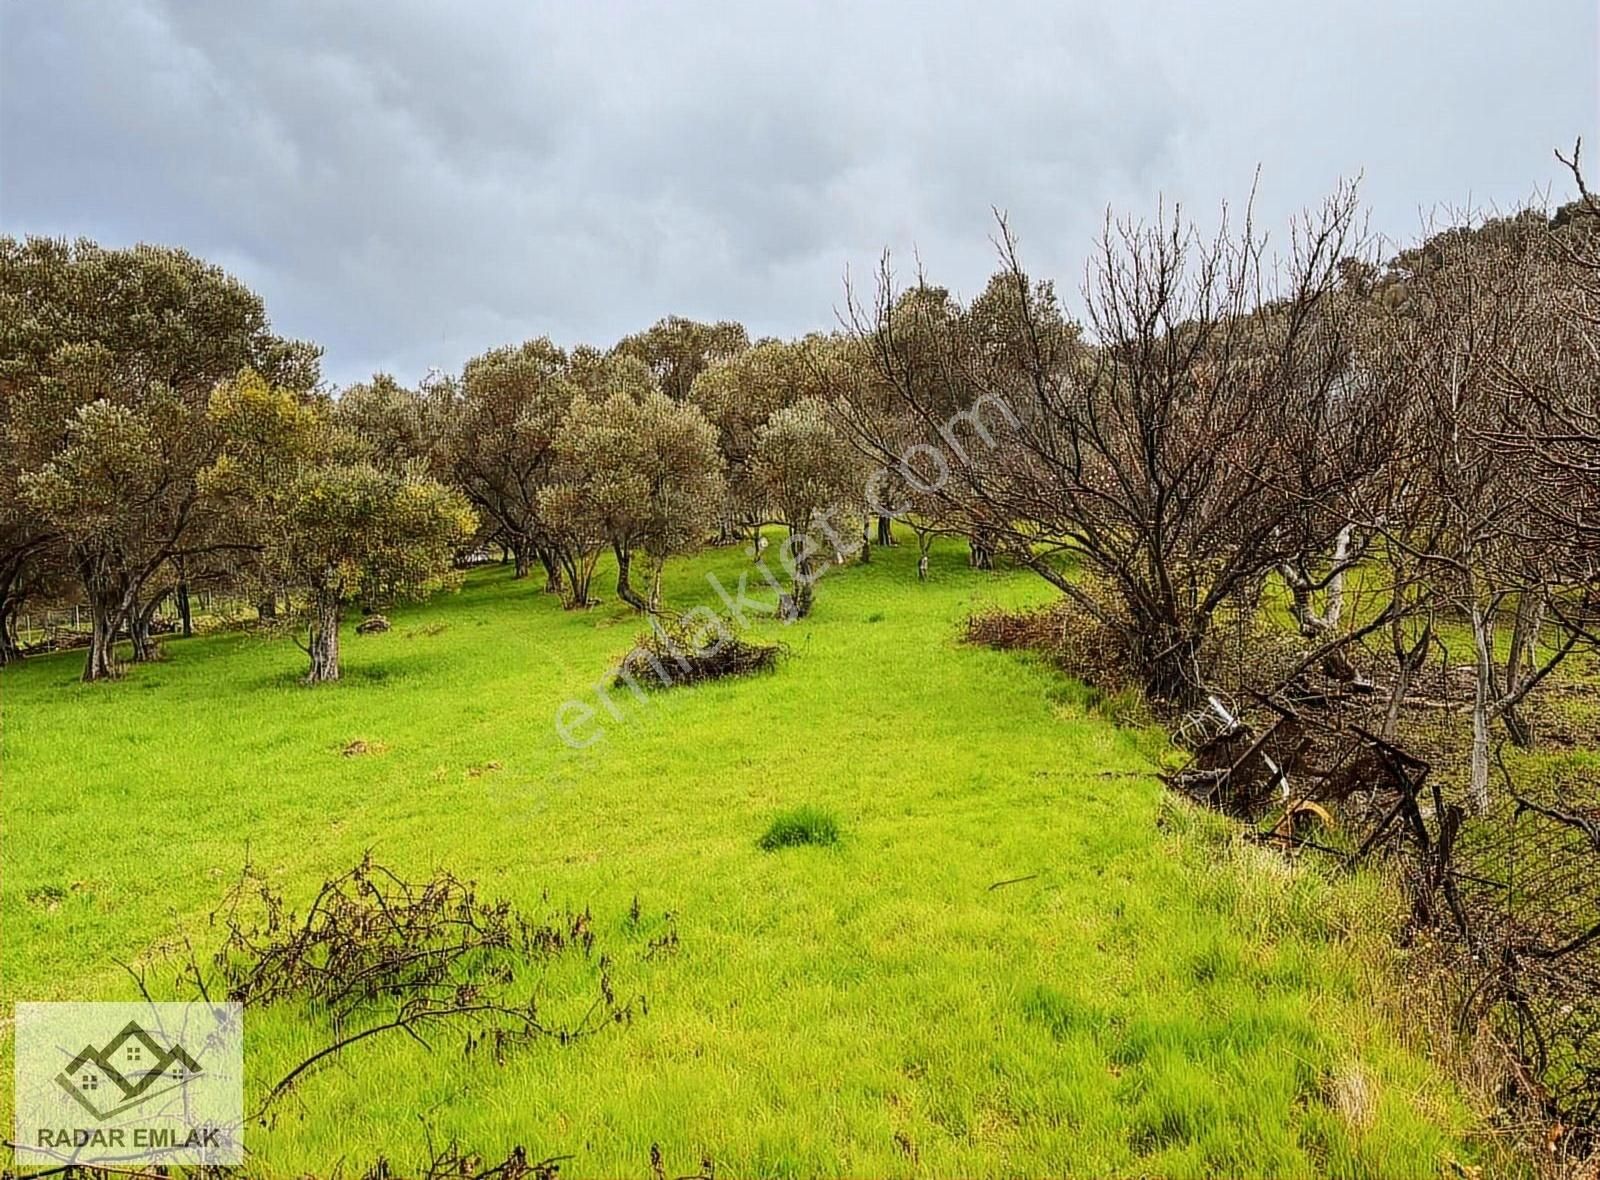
[1313,625]
[323,639]
[1168,659]
[552,571]
[885,530]
[1522,662]
[1407,663]
[802,587]
[655,587]
[185,612]
[267,608]
[139,637]
[519,552]
[979,555]
[1483,688]
[10,650]
[625,590]
[576,572]
[144,647]
[100,659]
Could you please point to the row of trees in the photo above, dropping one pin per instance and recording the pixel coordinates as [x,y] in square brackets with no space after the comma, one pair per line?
[160,438]
[1219,418]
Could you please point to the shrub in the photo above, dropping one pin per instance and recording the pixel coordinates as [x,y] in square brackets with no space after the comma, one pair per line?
[801,825]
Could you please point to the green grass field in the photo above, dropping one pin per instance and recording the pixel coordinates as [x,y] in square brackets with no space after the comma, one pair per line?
[1154,998]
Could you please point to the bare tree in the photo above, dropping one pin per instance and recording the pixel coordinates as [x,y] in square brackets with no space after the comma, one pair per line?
[1454,319]
[1204,434]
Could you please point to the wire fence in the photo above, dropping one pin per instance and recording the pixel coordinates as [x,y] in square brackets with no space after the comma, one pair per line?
[208,610]
[1507,902]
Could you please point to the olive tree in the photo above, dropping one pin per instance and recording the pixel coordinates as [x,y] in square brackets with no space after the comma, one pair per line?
[739,394]
[394,425]
[648,474]
[28,548]
[676,350]
[336,526]
[498,428]
[107,361]
[808,479]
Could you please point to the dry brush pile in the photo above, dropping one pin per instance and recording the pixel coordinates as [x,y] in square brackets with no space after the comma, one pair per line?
[690,649]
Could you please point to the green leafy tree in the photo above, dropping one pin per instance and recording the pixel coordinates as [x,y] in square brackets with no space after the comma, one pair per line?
[29,548]
[393,424]
[497,427]
[338,527]
[643,474]
[809,479]
[677,350]
[740,393]
[107,362]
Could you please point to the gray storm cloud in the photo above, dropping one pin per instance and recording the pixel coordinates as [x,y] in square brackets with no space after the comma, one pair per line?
[409,184]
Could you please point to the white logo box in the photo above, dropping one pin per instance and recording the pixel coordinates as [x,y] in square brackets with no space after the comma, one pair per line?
[129,1084]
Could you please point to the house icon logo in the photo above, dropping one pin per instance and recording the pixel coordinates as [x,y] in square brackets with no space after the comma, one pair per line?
[129,1070]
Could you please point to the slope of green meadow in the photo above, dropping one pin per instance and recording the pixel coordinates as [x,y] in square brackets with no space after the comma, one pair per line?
[1152,997]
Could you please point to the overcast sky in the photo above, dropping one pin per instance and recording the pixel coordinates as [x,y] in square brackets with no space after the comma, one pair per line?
[411,183]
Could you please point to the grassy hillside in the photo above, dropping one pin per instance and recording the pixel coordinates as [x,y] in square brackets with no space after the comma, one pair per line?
[1152,999]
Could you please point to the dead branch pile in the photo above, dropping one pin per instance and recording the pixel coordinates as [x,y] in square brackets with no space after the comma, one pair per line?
[692,649]
[377,953]
[1092,646]
[452,1162]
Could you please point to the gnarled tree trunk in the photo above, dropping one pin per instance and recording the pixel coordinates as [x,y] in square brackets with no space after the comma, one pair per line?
[1167,651]
[655,586]
[625,590]
[139,621]
[803,579]
[552,571]
[323,637]
[100,658]
[1313,624]
[1522,661]
[576,571]
[10,650]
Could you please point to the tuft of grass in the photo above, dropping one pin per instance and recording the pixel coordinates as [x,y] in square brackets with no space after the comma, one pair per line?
[800,825]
